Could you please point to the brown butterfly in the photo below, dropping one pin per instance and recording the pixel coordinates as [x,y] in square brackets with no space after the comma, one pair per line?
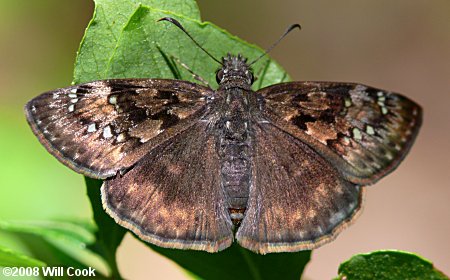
[185,166]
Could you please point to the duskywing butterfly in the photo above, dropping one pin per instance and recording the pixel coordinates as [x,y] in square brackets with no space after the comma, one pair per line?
[185,166]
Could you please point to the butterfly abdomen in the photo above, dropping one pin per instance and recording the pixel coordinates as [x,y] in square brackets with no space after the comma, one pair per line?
[234,144]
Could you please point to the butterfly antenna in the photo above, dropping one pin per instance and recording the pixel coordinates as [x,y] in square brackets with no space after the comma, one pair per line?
[292,27]
[177,24]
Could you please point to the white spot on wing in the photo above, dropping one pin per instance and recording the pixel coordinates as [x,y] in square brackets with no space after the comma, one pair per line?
[92,127]
[112,100]
[75,100]
[71,107]
[72,95]
[348,102]
[370,130]
[74,90]
[121,137]
[381,103]
[357,133]
[107,132]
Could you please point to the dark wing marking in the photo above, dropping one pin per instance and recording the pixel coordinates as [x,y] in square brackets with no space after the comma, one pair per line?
[365,132]
[173,197]
[102,127]
[297,200]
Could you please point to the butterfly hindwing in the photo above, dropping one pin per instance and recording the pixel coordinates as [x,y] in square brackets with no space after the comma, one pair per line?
[173,197]
[297,201]
[365,132]
[102,127]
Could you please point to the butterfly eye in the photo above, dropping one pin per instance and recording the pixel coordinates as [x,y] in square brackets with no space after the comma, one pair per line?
[219,76]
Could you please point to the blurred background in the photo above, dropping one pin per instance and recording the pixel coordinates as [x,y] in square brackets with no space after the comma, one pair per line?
[403,46]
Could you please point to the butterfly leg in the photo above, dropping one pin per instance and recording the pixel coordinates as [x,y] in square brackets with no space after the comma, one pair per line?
[194,75]
[172,62]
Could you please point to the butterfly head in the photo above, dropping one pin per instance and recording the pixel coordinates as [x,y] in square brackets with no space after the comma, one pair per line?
[235,72]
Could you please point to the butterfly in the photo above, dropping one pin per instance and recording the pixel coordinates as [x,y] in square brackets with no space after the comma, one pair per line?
[184,166]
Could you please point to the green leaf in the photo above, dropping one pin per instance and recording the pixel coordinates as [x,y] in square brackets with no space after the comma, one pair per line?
[148,48]
[389,265]
[9,257]
[145,48]
[109,235]
[110,17]
[57,243]
[76,234]
[238,263]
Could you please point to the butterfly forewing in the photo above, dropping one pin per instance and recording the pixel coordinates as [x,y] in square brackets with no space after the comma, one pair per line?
[102,127]
[363,131]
